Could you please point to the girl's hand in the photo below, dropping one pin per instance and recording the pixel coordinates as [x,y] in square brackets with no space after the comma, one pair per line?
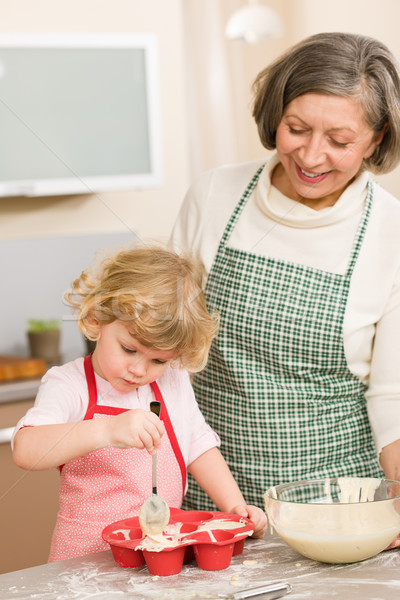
[135,428]
[255,514]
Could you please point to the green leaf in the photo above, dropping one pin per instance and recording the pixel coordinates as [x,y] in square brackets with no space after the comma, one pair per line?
[38,326]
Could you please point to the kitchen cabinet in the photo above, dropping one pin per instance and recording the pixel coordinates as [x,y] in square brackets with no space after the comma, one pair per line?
[28,499]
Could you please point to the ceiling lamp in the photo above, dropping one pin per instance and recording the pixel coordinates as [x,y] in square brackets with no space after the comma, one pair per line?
[254,23]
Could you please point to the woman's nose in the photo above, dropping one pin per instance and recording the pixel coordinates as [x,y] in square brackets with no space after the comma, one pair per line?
[313,151]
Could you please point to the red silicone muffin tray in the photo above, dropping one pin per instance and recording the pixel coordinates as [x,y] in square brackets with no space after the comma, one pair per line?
[213,549]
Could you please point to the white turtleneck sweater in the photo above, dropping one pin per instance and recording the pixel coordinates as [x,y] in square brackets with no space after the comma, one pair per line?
[276,226]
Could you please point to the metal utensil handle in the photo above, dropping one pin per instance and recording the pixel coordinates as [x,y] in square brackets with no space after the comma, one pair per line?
[154,473]
[155,408]
[270,591]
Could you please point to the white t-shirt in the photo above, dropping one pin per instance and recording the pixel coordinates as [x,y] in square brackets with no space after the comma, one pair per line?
[276,226]
[63,398]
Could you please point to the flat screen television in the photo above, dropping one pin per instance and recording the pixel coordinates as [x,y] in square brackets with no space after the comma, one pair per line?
[79,113]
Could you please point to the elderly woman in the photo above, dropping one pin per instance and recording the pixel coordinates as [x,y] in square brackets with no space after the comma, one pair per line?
[303,259]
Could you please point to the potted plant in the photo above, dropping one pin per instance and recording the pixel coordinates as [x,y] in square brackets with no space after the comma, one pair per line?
[44,339]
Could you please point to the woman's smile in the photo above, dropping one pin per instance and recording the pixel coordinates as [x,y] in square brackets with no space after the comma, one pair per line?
[310,177]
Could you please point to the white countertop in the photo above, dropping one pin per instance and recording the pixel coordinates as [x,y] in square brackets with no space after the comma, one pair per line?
[96,576]
[18,389]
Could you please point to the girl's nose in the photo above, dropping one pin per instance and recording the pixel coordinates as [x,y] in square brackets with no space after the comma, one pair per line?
[138,367]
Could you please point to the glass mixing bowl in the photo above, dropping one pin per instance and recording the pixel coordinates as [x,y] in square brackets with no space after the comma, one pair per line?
[340,520]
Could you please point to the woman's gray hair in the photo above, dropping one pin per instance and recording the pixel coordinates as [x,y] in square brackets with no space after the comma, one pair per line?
[339,64]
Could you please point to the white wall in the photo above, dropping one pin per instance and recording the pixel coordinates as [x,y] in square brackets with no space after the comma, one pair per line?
[148,213]
[376,18]
[35,278]
[151,213]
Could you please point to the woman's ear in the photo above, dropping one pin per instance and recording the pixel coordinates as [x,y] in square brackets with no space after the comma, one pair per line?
[376,141]
[381,134]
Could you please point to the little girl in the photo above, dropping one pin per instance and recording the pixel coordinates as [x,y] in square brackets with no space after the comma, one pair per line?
[147,313]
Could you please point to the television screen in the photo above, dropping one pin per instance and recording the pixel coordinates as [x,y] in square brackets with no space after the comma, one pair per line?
[79,113]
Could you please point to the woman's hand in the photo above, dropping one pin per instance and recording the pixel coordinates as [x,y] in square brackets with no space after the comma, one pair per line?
[135,428]
[255,514]
[390,460]
[395,544]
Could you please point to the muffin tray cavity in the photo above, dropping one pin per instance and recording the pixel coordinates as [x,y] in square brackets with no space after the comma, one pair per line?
[210,537]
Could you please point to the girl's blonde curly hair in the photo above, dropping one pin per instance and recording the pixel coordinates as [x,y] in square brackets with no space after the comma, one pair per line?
[157,294]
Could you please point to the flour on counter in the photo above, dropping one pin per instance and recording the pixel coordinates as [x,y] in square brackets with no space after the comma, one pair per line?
[102,579]
[250,562]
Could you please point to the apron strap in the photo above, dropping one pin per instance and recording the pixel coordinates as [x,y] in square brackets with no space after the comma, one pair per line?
[92,387]
[362,227]
[358,239]
[164,416]
[239,208]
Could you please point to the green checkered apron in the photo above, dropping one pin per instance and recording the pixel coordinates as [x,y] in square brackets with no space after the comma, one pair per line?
[277,387]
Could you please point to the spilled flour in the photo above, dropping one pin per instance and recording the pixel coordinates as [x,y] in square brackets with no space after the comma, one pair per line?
[267,560]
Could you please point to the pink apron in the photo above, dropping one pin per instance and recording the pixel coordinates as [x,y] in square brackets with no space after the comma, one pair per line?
[111,484]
